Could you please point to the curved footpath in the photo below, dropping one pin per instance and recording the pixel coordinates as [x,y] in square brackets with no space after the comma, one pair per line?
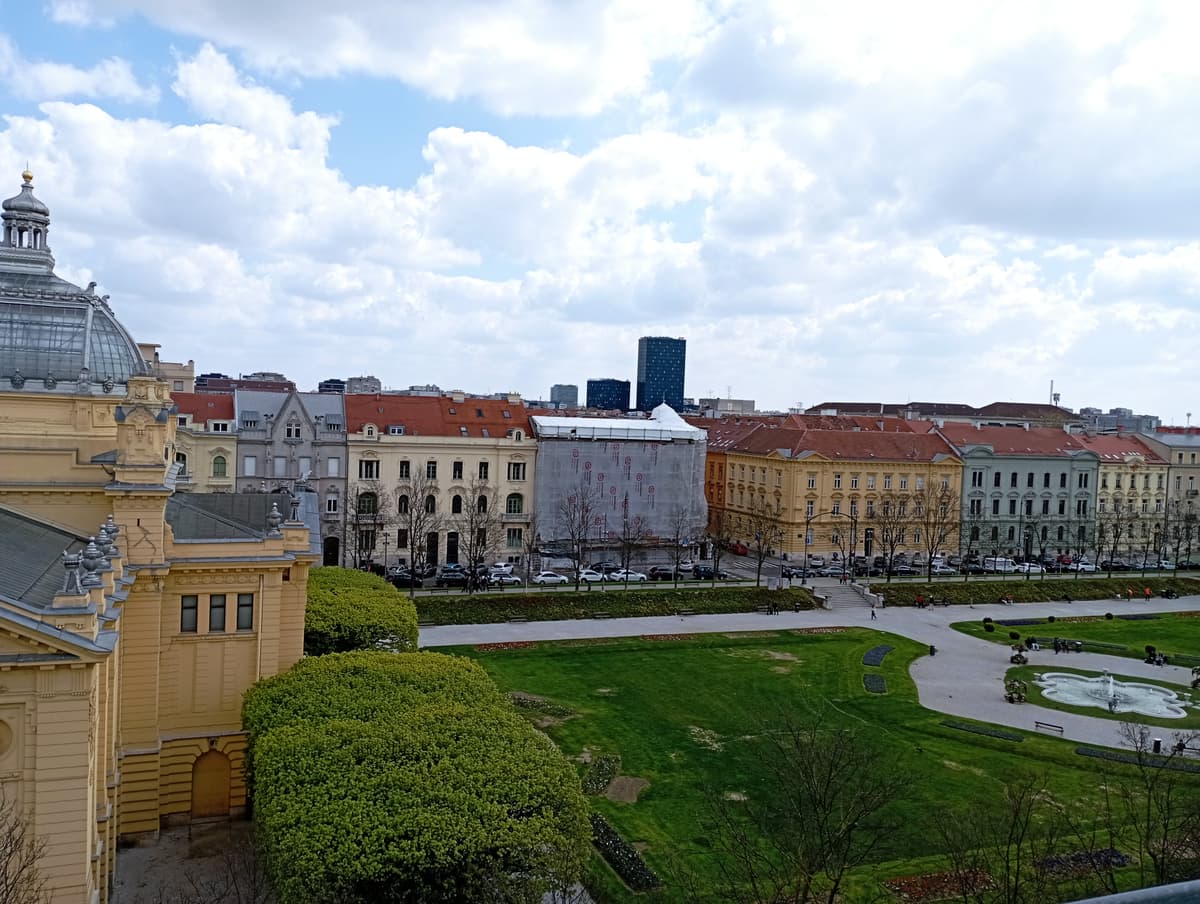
[965,678]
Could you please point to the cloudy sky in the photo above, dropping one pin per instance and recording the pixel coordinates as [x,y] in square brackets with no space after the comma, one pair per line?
[930,201]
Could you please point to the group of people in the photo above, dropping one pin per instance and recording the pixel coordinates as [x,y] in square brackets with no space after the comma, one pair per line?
[1156,659]
[1006,600]
[1068,646]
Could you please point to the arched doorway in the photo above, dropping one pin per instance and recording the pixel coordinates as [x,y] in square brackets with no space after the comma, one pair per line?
[210,785]
[331,552]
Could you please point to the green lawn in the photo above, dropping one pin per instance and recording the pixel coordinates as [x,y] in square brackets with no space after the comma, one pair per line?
[1027,673]
[1170,633]
[688,715]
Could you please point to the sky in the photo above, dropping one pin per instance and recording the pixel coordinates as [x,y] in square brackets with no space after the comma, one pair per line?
[956,202]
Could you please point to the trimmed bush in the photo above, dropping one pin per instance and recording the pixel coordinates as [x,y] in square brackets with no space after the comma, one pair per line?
[1049,589]
[352,610]
[984,730]
[601,771]
[874,684]
[625,861]
[1108,615]
[989,627]
[1050,618]
[1014,635]
[987,620]
[406,778]
[1121,756]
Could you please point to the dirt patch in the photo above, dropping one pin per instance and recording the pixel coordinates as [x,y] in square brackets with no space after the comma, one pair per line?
[959,767]
[705,737]
[781,670]
[734,795]
[743,635]
[605,691]
[782,657]
[522,697]
[624,789]
[641,846]
[204,853]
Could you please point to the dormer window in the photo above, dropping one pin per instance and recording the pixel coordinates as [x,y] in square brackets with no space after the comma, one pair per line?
[507,413]
[369,431]
[292,430]
[478,412]
[395,430]
[462,431]
[218,426]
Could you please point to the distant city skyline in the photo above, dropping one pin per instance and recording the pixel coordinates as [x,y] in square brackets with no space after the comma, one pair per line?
[964,205]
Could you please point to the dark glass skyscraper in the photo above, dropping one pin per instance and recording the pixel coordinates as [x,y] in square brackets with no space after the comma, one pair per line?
[660,372]
[608,394]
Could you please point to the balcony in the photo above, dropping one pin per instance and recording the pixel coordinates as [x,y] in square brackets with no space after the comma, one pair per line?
[1193,493]
[516,517]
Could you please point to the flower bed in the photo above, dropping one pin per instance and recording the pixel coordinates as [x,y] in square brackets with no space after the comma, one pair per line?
[939,886]
[510,645]
[1078,863]
[667,636]
[1120,756]
[874,684]
[601,771]
[538,705]
[625,861]
[874,656]
[984,730]
[817,631]
[1017,622]
[1047,590]
[1138,616]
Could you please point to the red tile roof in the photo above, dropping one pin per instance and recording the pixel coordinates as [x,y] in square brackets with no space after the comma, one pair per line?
[1114,447]
[204,406]
[845,445]
[436,415]
[1039,441]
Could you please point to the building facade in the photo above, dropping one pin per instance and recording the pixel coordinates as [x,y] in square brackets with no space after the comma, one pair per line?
[205,442]
[608,394]
[422,467]
[565,395]
[1131,498]
[1180,448]
[660,370]
[133,618]
[290,440]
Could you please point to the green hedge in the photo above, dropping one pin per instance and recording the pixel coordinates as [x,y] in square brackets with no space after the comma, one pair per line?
[555,606]
[352,610]
[382,777]
[1034,590]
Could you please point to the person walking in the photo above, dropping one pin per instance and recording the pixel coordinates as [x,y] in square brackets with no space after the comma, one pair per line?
[1148,594]
[874,617]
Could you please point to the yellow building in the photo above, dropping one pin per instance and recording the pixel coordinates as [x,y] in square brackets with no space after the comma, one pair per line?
[1131,496]
[132,618]
[205,442]
[445,445]
[829,491]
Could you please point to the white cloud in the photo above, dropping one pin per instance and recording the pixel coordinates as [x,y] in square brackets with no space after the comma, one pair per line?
[40,80]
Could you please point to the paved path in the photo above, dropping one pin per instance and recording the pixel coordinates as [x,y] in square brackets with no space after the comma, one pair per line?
[964,679]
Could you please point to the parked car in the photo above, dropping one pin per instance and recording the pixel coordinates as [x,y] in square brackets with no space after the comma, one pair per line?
[1030,568]
[1083,567]
[705,573]
[590,575]
[1112,565]
[664,573]
[604,567]
[625,574]
[456,578]
[549,577]
[403,580]
[832,571]
[1187,563]
[790,571]
[942,569]
[972,568]
[502,568]
[902,571]
[816,561]
[687,565]
[504,580]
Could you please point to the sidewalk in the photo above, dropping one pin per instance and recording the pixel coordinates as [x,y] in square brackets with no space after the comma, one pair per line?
[964,679]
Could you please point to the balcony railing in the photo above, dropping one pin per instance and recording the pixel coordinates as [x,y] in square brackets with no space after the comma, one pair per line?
[522,517]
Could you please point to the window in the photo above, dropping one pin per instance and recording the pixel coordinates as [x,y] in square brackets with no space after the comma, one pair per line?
[1012,480]
[870,508]
[188,607]
[431,470]
[812,481]
[305,466]
[808,536]
[181,460]
[368,469]
[1083,480]
[1029,480]
[904,483]
[871,482]
[181,421]
[996,479]
[331,504]
[483,470]
[995,506]
[917,535]
[887,482]
[366,540]
[516,471]
[1145,506]
[402,504]
[430,504]
[853,508]
[974,532]
[1012,533]
[514,504]
[1062,507]
[837,508]
[976,507]
[995,534]
[219,426]
[1178,483]
[1117,482]
[482,505]
[367,504]
[249,466]
[251,423]
[1062,480]
[920,483]
[456,505]
[216,613]
[333,467]
[513,540]
[837,481]
[456,471]
[405,469]
[1193,461]
[177,386]
[808,509]
[369,431]
[1012,506]
[292,431]
[402,538]
[976,479]
[1146,482]
[1046,480]
[245,612]
[1160,482]
[1028,507]
[1062,533]
[1045,506]
[1158,505]
[395,429]
[1081,507]
[853,483]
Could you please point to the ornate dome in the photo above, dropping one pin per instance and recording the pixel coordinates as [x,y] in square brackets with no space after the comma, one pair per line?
[54,336]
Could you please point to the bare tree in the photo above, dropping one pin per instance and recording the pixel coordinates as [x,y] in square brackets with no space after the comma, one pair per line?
[369,515]
[417,516]
[830,805]
[532,545]
[634,534]
[478,528]
[1115,526]
[21,881]
[721,523]
[764,527]
[935,515]
[576,511]
[973,522]
[891,522]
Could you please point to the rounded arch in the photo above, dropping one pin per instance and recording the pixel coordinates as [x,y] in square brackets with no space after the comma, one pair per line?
[456,505]
[430,504]
[402,504]
[220,466]
[331,551]
[514,504]
[483,505]
[367,503]
[210,785]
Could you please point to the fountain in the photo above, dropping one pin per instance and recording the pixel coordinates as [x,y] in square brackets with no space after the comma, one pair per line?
[1115,696]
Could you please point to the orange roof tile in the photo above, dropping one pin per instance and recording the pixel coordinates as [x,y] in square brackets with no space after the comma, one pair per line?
[1114,447]
[204,406]
[846,445]
[1040,441]
[436,415]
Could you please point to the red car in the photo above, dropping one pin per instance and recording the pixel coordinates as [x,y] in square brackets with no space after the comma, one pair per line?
[740,549]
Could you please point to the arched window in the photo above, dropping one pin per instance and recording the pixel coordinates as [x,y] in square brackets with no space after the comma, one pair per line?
[456,505]
[430,504]
[514,504]
[368,504]
[218,469]
[482,505]
[402,504]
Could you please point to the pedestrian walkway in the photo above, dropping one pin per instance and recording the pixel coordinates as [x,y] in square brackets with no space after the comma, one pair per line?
[965,678]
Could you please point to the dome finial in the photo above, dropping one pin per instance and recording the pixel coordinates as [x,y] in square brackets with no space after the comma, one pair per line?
[27,175]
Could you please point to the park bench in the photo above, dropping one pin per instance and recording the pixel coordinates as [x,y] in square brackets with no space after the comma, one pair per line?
[682,612]
[601,615]
[517,620]
[1047,726]
[762,609]
[425,623]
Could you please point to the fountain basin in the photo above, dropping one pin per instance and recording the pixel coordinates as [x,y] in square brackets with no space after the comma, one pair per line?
[1105,692]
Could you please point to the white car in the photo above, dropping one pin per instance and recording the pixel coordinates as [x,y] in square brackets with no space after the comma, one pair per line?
[497,579]
[549,577]
[625,575]
[502,568]
[1030,568]
[943,569]
[1085,567]
[588,576]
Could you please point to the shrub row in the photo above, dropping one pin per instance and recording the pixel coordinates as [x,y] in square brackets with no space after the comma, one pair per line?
[874,656]
[601,771]
[352,610]
[984,730]
[406,777]
[1035,590]
[874,684]
[554,606]
[625,861]
[1121,756]
[1079,862]
[538,705]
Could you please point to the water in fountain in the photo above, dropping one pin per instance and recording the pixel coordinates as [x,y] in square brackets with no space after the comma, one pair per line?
[1116,696]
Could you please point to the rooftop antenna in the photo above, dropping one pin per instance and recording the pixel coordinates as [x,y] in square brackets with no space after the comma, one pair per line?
[1052,398]
[1189,420]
